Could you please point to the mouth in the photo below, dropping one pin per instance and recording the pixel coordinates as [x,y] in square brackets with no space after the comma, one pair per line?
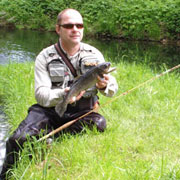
[75,36]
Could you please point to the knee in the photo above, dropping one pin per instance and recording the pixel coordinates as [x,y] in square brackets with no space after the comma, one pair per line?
[18,136]
[100,123]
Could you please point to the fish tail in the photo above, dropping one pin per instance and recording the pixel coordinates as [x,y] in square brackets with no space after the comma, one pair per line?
[60,109]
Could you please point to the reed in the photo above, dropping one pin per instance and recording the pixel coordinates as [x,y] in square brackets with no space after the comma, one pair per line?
[141,140]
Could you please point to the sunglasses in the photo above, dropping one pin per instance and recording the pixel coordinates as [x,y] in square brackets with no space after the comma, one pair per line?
[70,26]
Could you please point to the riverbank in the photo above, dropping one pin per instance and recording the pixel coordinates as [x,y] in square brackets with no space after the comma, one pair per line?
[141,140]
[149,20]
[16,90]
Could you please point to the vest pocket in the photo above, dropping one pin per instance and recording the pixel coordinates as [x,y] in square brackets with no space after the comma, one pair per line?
[56,71]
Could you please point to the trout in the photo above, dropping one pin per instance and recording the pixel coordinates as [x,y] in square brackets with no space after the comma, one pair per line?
[86,81]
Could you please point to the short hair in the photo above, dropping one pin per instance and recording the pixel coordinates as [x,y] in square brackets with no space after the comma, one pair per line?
[59,17]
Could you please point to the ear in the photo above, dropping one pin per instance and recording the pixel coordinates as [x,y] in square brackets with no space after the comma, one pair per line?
[57,29]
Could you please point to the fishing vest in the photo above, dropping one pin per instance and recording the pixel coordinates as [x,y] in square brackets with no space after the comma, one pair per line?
[60,74]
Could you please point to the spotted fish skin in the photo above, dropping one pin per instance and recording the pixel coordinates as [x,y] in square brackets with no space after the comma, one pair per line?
[86,81]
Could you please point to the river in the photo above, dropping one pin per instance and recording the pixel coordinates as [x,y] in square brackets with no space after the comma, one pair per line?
[23,45]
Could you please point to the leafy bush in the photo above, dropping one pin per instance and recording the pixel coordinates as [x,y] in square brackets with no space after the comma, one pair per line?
[171,18]
[137,19]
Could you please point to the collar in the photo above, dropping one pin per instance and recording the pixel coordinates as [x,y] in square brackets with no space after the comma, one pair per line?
[70,57]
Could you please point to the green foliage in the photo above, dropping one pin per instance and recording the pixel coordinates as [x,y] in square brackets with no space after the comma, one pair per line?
[137,19]
[171,18]
[35,14]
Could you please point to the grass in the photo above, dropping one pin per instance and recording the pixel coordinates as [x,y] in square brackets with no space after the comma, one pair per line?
[142,140]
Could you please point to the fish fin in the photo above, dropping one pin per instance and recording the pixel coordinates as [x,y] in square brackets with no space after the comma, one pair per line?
[60,108]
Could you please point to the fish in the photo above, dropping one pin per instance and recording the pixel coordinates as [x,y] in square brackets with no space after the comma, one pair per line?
[84,82]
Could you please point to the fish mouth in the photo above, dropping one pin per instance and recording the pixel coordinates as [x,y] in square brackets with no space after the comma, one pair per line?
[107,67]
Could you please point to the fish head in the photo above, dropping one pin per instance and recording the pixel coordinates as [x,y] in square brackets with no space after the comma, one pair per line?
[104,67]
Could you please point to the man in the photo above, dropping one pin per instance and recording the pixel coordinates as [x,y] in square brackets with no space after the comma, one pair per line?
[53,78]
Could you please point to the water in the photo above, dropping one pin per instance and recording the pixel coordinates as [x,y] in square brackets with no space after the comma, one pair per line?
[21,46]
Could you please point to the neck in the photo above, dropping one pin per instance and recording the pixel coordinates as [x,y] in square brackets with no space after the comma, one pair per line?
[70,49]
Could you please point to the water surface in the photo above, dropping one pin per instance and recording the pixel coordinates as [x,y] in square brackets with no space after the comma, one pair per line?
[24,45]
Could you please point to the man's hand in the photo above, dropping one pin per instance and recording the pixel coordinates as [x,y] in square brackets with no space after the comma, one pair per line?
[102,82]
[75,98]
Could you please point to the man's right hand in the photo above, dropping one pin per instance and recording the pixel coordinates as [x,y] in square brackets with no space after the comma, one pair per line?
[75,98]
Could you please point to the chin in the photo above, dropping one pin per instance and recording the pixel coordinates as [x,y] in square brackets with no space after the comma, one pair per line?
[76,41]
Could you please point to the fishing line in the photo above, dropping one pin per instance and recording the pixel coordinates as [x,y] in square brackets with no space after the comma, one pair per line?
[113,99]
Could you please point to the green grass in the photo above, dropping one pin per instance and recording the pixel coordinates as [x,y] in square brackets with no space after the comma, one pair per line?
[142,139]
[17,90]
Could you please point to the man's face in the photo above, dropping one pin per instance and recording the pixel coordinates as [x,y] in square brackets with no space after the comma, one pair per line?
[71,35]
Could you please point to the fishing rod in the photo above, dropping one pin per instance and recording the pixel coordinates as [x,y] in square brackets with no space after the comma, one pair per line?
[142,84]
[113,99]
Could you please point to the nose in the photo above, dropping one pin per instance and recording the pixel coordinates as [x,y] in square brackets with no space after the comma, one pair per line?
[75,28]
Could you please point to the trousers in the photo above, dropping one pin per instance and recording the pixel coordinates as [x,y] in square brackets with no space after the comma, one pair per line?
[42,118]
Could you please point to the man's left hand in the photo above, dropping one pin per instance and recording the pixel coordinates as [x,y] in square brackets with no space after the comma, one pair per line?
[102,82]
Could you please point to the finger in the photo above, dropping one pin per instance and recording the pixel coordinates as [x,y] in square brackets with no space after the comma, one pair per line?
[80,95]
[82,92]
[102,82]
[101,85]
[73,99]
[100,78]
[67,89]
[106,77]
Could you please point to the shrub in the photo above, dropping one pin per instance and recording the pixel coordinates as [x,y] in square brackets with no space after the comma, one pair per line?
[137,19]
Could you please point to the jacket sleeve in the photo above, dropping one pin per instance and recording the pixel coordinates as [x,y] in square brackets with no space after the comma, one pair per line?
[111,88]
[44,95]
